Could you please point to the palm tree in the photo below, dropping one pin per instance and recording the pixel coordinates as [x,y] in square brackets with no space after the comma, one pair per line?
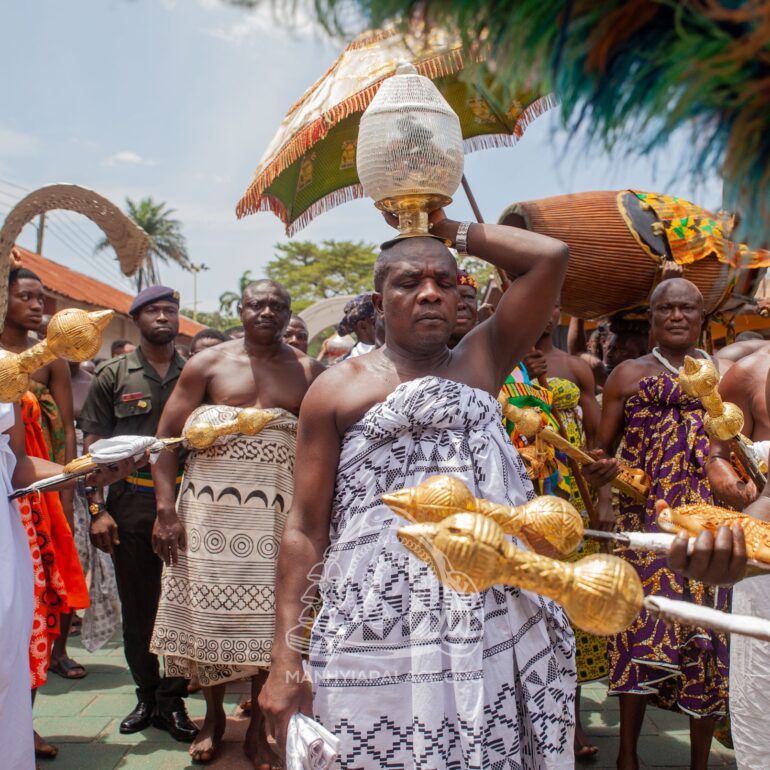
[167,243]
[229,299]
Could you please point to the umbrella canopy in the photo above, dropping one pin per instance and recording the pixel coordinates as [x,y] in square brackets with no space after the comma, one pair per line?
[310,165]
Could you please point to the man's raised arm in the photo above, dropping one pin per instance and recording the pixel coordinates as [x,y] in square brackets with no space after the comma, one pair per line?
[168,535]
[305,539]
[538,265]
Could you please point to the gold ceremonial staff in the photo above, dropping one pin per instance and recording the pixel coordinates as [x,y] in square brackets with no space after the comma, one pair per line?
[548,525]
[699,378]
[199,435]
[469,552]
[631,481]
[73,334]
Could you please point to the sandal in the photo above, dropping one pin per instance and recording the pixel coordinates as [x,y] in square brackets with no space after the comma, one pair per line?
[68,669]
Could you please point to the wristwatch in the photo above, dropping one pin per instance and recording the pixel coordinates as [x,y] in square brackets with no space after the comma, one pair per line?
[461,239]
[96,508]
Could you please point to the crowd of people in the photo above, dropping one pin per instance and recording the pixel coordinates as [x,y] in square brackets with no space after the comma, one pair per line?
[271,557]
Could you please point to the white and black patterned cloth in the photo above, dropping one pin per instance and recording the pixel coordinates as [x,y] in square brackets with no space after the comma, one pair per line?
[409,674]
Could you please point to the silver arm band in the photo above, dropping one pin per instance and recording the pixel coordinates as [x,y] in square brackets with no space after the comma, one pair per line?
[461,239]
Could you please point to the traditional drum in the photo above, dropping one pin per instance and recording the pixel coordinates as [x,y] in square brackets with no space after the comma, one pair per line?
[619,242]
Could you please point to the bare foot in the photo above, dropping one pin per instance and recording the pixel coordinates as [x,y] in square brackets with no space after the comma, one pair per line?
[256,746]
[206,744]
[245,707]
[43,749]
[584,749]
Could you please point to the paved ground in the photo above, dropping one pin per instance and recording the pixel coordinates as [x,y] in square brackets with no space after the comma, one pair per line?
[82,718]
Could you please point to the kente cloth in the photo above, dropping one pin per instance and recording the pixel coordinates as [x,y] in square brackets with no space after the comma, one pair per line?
[60,585]
[682,669]
[216,615]
[564,395]
[750,679]
[408,673]
[50,422]
[16,611]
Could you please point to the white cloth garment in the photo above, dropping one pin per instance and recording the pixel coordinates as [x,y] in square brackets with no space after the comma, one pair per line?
[407,673]
[16,609]
[309,746]
[750,679]
[360,349]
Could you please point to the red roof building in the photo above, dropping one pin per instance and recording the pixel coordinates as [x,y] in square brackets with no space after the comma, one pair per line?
[68,288]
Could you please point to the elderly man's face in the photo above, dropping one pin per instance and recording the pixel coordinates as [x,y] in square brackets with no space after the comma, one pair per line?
[467,311]
[677,315]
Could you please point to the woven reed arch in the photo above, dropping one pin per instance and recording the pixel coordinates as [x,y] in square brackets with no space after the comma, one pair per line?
[127,238]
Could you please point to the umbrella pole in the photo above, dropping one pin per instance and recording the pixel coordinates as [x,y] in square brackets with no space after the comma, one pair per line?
[504,282]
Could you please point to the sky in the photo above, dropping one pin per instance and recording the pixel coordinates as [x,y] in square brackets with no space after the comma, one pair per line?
[177,100]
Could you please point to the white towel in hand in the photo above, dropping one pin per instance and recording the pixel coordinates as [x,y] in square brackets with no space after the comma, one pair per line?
[110,450]
[309,745]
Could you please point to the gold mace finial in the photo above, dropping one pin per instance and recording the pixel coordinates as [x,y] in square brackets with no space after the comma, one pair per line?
[73,334]
[248,422]
[469,552]
[699,378]
[548,525]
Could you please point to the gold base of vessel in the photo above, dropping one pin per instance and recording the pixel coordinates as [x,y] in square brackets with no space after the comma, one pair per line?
[412,211]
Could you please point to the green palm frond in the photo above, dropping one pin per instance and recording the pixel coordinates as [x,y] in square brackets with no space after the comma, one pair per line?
[627,70]
[167,242]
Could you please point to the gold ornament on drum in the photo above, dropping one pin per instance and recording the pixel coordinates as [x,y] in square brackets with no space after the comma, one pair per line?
[469,552]
[699,517]
[528,421]
[248,422]
[548,525]
[73,334]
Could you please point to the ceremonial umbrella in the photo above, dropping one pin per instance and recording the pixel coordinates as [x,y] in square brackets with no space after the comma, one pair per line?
[310,165]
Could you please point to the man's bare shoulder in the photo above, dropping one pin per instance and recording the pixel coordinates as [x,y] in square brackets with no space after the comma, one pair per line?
[625,376]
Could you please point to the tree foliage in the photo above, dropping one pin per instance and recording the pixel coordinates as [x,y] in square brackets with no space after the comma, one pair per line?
[167,242]
[313,271]
[216,320]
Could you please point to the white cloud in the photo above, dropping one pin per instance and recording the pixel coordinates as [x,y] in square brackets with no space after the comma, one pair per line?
[16,144]
[266,20]
[127,158]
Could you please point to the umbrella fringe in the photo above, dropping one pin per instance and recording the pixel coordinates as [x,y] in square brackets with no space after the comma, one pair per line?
[343,195]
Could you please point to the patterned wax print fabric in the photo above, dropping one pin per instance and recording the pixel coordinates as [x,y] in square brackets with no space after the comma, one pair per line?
[591,650]
[216,615]
[682,669]
[50,422]
[60,585]
[410,674]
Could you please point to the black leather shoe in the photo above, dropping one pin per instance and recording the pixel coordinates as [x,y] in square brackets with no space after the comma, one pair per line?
[138,719]
[177,724]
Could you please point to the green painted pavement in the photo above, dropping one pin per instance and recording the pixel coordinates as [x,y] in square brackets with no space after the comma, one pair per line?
[82,718]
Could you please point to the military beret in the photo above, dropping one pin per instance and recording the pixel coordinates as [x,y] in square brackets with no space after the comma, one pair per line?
[153,294]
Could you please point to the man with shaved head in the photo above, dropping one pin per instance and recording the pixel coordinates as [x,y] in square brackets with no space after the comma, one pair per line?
[660,430]
[403,671]
[219,543]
